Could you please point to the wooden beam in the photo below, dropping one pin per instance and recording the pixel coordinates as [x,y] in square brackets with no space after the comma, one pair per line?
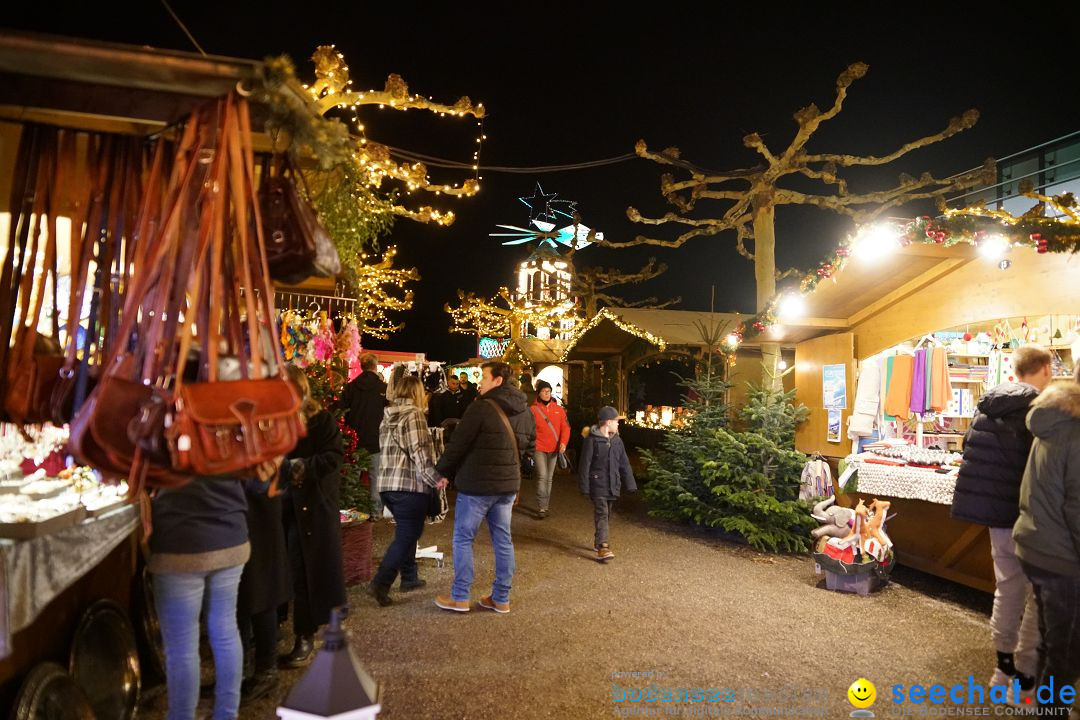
[823,323]
[962,250]
[912,286]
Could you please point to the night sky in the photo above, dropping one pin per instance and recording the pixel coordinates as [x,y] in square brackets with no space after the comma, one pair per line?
[566,83]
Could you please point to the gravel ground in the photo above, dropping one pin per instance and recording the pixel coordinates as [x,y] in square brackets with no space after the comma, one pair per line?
[678,601]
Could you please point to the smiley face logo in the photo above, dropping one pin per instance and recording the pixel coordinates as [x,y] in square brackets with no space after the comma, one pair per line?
[862,693]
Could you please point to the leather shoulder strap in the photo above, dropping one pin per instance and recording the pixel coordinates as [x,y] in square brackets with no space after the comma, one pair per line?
[506,424]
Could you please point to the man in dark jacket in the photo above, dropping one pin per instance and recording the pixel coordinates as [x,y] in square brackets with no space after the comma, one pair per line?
[364,400]
[468,388]
[1047,534]
[603,469]
[484,458]
[996,451]
[447,404]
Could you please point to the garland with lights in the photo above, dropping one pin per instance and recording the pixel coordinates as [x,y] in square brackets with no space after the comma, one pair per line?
[611,314]
[972,225]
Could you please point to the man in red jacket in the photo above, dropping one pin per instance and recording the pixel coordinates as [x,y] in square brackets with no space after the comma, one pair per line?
[552,434]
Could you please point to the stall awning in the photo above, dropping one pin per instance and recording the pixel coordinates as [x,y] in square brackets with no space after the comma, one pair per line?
[613,330]
[868,285]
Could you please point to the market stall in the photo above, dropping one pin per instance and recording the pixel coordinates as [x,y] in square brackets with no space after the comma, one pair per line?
[610,349]
[939,323]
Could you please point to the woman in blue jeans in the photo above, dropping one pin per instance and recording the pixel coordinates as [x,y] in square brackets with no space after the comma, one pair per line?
[405,483]
[198,548]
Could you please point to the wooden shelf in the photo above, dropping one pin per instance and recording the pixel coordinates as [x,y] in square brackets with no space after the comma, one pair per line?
[967,382]
[965,355]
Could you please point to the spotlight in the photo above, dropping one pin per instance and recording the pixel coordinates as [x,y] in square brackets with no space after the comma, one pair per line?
[993,246]
[875,241]
[792,306]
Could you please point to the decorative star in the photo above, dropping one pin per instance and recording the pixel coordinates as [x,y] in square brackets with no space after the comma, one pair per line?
[539,204]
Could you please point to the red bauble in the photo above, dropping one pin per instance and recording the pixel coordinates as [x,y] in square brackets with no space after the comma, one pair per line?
[967,337]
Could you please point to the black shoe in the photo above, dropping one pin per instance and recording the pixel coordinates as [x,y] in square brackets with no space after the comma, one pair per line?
[302,653]
[380,593]
[407,585]
[260,685]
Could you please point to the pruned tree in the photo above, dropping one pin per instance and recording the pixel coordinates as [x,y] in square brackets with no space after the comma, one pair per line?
[590,286]
[753,194]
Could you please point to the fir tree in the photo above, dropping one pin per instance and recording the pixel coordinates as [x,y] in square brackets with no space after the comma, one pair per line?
[745,482]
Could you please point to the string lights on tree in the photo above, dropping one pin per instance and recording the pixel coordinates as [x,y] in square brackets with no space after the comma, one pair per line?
[380,292]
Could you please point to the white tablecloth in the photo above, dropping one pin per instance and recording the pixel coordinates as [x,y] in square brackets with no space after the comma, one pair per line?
[905,482]
[33,572]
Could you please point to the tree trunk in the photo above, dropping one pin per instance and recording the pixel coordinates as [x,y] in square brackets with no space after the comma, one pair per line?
[765,278]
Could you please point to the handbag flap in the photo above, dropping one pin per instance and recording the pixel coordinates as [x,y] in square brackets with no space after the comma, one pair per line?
[225,403]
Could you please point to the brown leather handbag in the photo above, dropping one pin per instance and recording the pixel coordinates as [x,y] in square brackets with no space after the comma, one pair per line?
[35,358]
[297,244]
[230,427]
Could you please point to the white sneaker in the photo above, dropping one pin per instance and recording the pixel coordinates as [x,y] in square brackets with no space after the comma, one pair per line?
[1026,698]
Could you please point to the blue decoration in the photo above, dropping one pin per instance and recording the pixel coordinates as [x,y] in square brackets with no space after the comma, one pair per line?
[545,212]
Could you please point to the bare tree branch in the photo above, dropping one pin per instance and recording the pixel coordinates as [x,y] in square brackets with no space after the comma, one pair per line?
[956,125]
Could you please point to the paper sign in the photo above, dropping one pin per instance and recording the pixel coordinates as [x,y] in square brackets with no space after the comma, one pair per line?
[834,426]
[834,386]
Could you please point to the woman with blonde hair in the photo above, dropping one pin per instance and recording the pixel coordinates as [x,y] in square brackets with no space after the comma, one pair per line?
[313,523]
[406,480]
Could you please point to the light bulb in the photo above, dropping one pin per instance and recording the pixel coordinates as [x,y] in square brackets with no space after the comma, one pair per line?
[875,241]
[791,306]
[993,246]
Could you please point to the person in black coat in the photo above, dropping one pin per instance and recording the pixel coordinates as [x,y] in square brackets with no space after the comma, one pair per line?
[996,449]
[264,586]
[364,401]
[603,470]
[447,405]
[313,524]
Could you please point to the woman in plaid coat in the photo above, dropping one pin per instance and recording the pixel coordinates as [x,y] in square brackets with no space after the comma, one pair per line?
[405,483]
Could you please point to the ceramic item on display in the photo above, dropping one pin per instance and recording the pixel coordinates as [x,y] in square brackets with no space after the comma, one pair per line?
[49,693]
[105,661]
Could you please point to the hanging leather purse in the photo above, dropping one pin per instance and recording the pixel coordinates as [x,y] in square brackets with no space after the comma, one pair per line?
[230,427]
[36,358]
[297,244]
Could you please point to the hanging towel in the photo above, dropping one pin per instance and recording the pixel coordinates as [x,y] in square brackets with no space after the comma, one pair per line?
[886,376]
[867,399]
[928,359]
[917,402]
[942,389]
[899,397]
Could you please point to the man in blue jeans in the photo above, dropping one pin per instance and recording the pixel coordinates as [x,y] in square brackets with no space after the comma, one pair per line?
[484,458]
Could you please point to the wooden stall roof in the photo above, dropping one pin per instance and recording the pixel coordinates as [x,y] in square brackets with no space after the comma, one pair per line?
[541,351]
[867,285]
[107,87]
[612,330]
[923,288]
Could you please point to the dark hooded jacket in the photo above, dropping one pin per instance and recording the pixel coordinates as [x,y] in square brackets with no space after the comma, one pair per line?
[604,466]
[1047,534]
[996,450]
[364,400]
[481,457]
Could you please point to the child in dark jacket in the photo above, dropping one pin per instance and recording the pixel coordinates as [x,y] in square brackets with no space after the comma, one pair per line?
[603,470]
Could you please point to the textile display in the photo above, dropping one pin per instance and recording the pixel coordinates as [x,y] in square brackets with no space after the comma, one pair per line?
[898,401]
[46,566]
[905,482]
